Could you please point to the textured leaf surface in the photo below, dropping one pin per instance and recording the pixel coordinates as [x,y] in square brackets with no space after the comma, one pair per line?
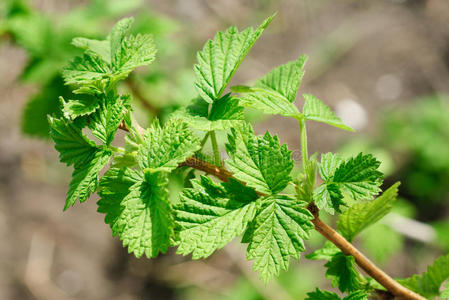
[325,295]
[322,295]
[73,109]
[314,109]
[106,120]
[277,232]
[221,57]
[73,147]
[137,209]
[361,215]
[262,162]
[135,51]
[428,283]
[357,177]
[210,215]
[224,113]
[85,178]
[166,147]
[341,270]
[275,92]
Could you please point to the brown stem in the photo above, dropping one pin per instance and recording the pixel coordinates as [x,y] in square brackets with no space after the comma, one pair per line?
[368,266]
[330,234]
[139,96]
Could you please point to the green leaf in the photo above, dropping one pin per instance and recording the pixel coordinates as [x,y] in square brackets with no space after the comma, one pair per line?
[224,113]
[166,147]
[108,61]
[135,51]
[73,147]
[268,101]
[357,177]
[275,92]
[259,161]
[358,295]
[322,295]
[85,178]
[88,73]
[325,295]
[341,270]
[361,215]
[73,109]
[137,210]
[445,292]
[101,48]
[221,57]
[428,283]
[316,110]
[210,215]
[327,252]
[277,232]
[106,120]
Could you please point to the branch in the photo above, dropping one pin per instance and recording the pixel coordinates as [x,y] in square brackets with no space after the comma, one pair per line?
[330,234]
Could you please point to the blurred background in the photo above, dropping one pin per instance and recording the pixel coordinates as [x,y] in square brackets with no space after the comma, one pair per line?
[382,65]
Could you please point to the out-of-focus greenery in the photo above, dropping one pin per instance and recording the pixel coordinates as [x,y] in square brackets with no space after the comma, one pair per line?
[413,140]
[46,38]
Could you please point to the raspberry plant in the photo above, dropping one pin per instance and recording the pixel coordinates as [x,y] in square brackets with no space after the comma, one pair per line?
[255,195]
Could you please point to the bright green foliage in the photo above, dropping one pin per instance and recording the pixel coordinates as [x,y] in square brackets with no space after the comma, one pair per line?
[91,72]
[275,92]
[277,232]
[74,148]
[85,178]
[221,57]
[428,283]
[140,214]
[73,109]
[356,177]
[260,161]
[166,147]
[445,293]
[224,113]
[210,215]
[314,109]
[327,252]
[325,295]
[106,120]
[341,270]
[361,215]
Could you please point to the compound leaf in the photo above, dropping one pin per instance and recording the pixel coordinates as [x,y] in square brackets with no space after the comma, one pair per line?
[221,57]
[224,113]
[275,92]
[73,109]
[356,177]
[166,147]
[341,270]
[137,210]
[85,178]
[260,161]
[361,215]
[73,147]
[322,295]
[314,109]
[106,120]
[277,232]
[210,215]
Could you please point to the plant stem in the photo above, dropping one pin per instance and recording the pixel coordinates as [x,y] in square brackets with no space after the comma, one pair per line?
[203,142]
[303,133]
[394,287]
[330,234]
[213,139]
